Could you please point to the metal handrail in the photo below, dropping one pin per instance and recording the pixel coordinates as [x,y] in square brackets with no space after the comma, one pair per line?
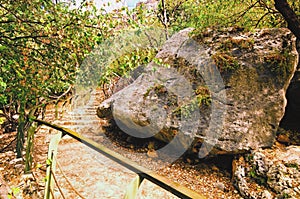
[144,173]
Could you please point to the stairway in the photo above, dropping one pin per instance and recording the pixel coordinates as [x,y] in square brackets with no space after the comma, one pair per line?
[77,116]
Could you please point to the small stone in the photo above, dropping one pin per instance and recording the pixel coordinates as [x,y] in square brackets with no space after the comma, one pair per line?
[2,155]
[129,139]
[214,168]
[279,144]
[283,138]
[267,195]
[16,161]
[195,150]
[9,153]
[297,190]
[19,166]
[196,161]
[152,154]
[151,145]
[190,161]
[27,177]
[154,97]
[220,186]
[100,139]
[15,117]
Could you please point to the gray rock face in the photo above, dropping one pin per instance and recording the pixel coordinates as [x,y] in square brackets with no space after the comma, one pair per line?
[275,172]
[222,92]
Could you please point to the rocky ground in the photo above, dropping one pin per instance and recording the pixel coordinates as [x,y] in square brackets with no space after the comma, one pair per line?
[84,173]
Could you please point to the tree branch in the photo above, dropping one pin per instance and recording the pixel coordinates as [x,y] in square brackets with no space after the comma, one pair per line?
[289,15]
[238,16]
[24,37]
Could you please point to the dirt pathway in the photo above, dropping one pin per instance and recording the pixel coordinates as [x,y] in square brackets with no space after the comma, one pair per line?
[85,171]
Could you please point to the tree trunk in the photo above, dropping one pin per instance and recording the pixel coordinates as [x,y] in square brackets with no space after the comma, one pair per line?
[289,15]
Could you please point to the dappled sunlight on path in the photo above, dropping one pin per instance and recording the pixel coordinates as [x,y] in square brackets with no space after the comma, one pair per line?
[88,172]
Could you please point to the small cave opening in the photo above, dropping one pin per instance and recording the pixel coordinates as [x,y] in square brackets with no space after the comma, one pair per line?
[291,118]
[289,127]
[289,131]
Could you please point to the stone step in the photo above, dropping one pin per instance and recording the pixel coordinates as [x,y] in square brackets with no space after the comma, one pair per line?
[86,123]
[85,130]
[81,117]
[91,112]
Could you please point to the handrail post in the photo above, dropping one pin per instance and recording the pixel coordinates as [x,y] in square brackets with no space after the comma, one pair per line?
[132,189]
[51,164]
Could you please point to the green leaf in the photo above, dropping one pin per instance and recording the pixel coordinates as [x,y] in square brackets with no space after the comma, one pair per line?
[48,162]
[2,48]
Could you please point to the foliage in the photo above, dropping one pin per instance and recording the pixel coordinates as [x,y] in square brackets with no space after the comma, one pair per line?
[134,42]
[285,195]
[201,99]
[2,119]
[126,63]
[261,180]
[41,48]
[225,62]
[278,63]
[240,43]
[202,14]
[292,165]
[15,191]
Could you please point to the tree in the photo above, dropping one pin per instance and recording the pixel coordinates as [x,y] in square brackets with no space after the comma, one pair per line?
[41,46]
[249,14]
[289,15]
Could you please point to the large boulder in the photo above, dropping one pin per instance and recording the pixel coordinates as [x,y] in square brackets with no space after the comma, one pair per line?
[269,173]
[220,91]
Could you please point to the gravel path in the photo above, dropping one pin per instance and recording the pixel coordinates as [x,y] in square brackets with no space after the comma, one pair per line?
[95,176]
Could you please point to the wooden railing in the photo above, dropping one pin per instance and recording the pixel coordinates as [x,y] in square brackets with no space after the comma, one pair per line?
[143,173]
